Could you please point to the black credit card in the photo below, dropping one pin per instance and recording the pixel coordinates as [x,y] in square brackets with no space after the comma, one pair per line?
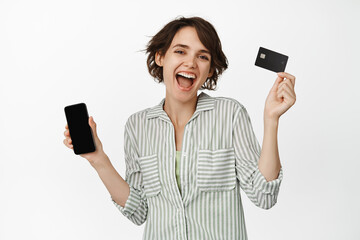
[271,60]
[80,131]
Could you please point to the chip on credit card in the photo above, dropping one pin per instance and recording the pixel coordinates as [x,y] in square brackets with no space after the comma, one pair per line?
[271,60]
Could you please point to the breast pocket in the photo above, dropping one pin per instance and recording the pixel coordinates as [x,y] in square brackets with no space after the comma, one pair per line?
[150,172]
[216,170]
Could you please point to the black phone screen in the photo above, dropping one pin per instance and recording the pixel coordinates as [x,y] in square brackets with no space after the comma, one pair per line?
[80,131]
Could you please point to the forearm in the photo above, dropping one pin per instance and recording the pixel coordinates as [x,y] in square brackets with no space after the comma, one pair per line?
[269,162]
[118,188]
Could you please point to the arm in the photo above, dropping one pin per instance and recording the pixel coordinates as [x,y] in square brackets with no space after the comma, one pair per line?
[281,97]
[269,162]
[261,192]
[135,208]
[261,182]
[127,195]
[114,183]
[118,188]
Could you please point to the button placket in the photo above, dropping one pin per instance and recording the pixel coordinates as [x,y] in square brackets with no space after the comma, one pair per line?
[176,191]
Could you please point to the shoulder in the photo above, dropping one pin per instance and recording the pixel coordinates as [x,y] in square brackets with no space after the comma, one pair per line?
[137,117]
[228,103]
[229,108]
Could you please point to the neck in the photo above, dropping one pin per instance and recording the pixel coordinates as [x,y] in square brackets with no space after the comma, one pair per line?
[180,112]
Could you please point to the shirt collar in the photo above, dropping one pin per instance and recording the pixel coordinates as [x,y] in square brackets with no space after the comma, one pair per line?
[204,103]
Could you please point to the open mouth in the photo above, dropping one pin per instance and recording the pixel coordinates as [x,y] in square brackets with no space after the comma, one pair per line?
[185,80]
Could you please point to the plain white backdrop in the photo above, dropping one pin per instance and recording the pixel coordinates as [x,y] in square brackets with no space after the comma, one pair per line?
[57,53]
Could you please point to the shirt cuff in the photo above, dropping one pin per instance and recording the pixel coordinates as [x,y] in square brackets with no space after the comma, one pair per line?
[131,204]
[267,187]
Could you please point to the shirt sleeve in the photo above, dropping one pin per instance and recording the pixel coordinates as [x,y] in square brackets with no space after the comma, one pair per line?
[261,192]
[136,207]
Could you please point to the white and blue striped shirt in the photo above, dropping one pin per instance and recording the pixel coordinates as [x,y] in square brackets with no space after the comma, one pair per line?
[220,155]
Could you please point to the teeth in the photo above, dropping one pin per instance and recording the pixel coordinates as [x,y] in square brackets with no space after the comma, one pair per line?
[187,75]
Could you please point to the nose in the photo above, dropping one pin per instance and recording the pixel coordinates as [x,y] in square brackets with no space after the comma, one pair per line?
[190,61]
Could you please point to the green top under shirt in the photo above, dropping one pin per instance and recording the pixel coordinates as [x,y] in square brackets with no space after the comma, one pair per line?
[177,168]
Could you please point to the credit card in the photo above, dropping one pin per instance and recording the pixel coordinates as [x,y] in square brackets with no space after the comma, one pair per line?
[271,60]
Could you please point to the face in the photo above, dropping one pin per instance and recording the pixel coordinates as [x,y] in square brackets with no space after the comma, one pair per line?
[186,65]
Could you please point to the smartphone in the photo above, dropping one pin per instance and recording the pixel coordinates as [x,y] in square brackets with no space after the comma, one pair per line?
[77,118]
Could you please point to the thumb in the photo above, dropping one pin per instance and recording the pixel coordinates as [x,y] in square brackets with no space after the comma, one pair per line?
[276,84]
[92,125]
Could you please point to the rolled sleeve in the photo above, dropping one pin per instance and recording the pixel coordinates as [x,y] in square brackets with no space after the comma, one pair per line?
[136,207]
[261,192]
[267,187]
[133,203]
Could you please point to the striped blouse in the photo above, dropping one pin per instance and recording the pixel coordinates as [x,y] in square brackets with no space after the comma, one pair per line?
[219,156]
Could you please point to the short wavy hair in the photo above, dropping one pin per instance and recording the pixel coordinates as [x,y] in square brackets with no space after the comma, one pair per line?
[209,38]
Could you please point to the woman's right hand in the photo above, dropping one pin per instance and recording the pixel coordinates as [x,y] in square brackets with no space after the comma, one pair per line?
[97,158]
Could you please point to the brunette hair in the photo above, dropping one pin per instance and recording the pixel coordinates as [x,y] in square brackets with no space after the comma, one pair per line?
[207,34]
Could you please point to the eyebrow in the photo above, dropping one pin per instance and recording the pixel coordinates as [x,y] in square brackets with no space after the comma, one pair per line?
[187,47]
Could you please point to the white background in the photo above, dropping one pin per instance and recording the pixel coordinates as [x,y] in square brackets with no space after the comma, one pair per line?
[57,53]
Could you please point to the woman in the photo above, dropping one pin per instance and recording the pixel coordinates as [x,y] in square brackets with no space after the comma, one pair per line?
[188,157]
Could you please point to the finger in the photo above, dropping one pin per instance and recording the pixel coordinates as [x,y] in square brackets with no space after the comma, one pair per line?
[68,138]
[275,87]
[287,84]
[290,83]
[289,90]
[281,84]
[67,133]
[66,143]
[288,98]
[66,126]
[287,94]
[288,76]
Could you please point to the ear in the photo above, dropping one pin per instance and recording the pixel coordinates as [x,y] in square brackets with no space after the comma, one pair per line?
[158,59]
[211,72]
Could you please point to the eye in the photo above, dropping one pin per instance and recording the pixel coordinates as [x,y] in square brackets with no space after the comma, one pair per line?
[204,57]
[179,51]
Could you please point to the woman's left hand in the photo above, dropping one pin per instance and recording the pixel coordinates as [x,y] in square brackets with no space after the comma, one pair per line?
[281,96]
